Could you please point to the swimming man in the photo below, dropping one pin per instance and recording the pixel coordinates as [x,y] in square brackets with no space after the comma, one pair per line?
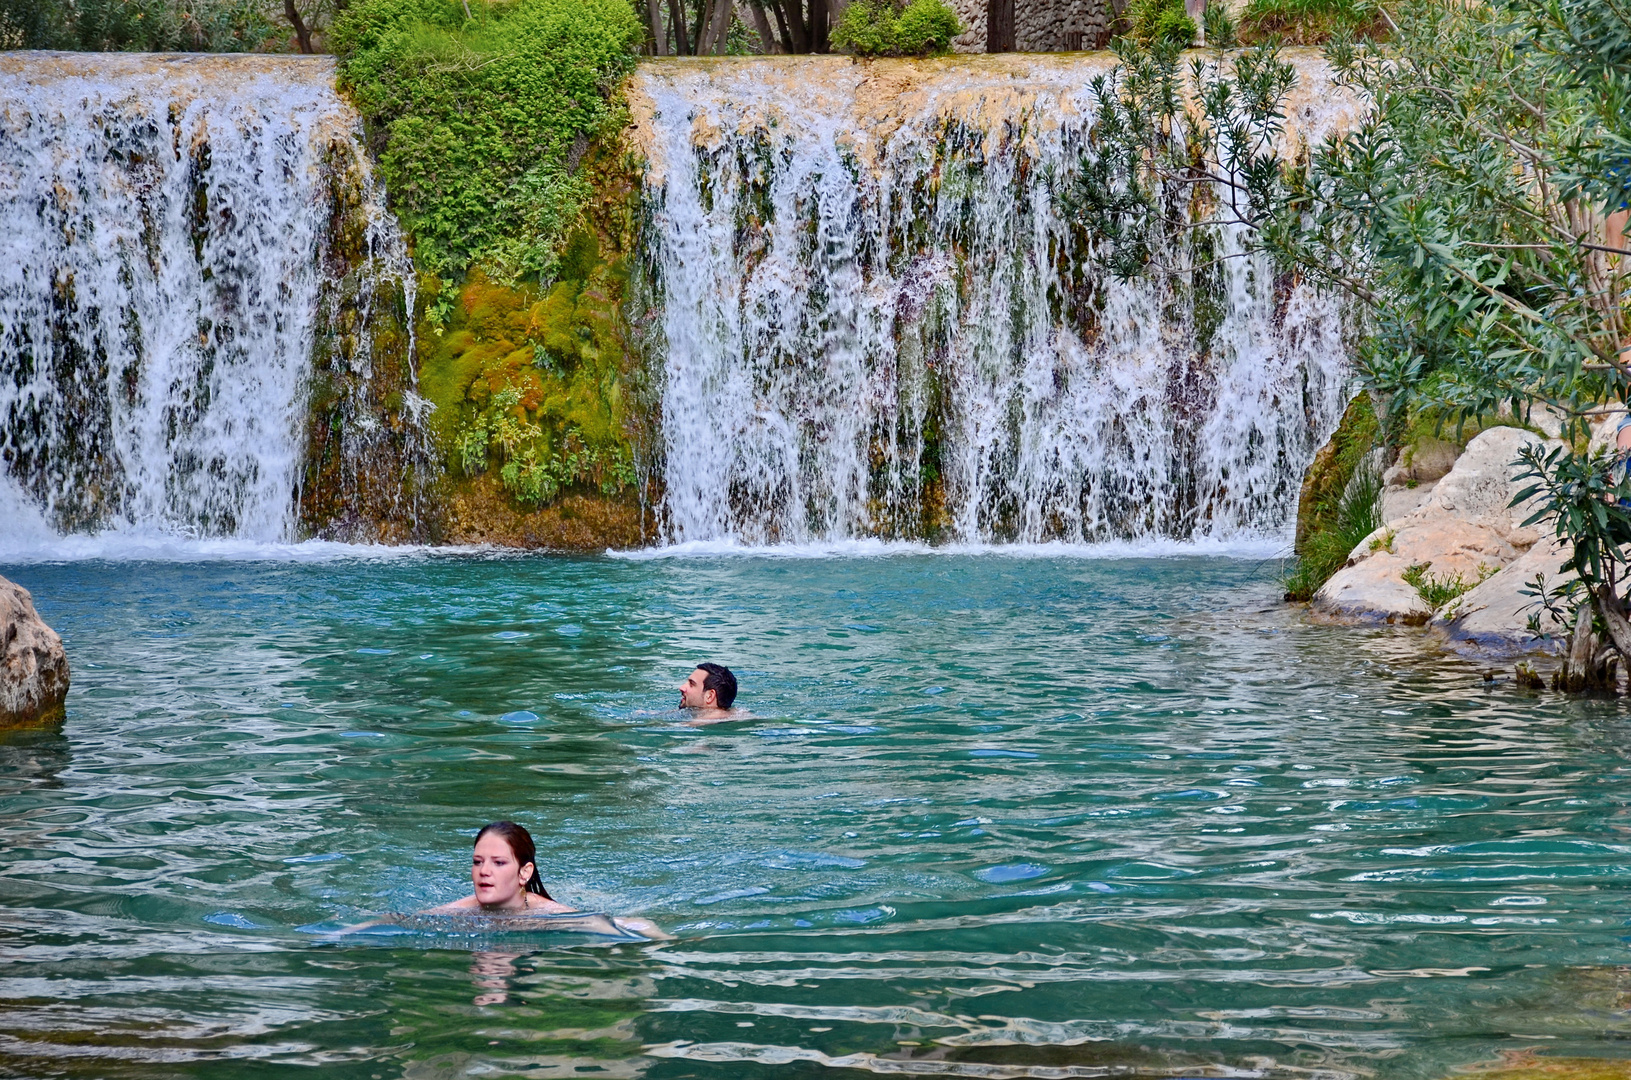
[709,692]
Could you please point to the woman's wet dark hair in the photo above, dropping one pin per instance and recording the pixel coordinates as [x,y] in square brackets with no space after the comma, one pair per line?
[520,841]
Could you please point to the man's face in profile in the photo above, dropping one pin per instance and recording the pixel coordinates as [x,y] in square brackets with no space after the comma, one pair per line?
[693,696]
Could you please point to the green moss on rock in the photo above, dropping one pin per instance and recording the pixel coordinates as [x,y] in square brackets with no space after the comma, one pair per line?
[1339,503]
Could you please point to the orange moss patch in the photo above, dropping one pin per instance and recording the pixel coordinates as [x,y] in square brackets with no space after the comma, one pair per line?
[481,512]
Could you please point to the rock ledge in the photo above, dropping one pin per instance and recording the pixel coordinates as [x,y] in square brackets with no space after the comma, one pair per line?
[33,666]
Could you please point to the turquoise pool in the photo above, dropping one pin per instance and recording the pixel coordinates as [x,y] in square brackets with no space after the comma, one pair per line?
[993,816]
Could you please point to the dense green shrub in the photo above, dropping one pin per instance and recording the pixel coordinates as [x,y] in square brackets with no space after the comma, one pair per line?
[1310,22]
[480,122]
[884,28]
[1159,22]
[139,25]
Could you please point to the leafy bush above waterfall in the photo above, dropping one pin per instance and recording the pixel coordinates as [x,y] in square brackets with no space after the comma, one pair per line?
[885,28]
[480,123]
[137,25]
[1309,22]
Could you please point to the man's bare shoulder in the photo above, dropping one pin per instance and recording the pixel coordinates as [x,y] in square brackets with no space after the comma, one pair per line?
[718,716]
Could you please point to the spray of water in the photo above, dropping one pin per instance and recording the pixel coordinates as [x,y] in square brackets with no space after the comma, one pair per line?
[875,318]
[167,237]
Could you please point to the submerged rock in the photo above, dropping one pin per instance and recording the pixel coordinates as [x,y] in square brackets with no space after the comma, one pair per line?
[33,666]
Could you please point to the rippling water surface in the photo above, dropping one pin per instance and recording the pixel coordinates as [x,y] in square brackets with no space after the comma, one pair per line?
[991,817]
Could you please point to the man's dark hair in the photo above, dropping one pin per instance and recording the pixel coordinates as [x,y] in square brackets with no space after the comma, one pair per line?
[721,682]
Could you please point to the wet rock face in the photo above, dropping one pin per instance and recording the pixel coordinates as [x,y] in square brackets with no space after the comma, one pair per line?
[33,667]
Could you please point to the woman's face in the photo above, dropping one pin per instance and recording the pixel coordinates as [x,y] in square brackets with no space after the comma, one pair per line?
[498,878]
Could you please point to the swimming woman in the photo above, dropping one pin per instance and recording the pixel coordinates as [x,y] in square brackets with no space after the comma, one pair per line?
[504,871]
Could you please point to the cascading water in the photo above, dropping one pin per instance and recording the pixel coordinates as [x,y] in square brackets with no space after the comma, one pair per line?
[877,319]
[174,236]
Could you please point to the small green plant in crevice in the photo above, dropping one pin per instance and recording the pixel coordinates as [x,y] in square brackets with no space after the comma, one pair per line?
[1436,590]
[532,469]
[1527,677]
[886,28]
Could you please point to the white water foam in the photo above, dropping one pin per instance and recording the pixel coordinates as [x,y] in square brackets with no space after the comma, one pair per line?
[877,319]
[133,545]
[1254,550]
[163,241]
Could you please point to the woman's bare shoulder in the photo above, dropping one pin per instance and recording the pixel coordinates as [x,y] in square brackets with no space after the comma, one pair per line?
[468,903]
[550,907]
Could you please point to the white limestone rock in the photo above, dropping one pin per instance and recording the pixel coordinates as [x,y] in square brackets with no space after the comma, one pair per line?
[1398,502]
[1492,619]
[33,666]
[1480,487]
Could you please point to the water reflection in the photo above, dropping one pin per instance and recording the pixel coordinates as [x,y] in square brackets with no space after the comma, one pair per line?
[493,972]
[32,757]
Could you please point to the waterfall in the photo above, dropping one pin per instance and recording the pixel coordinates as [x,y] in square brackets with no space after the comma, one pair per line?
[180,235]
[872,316]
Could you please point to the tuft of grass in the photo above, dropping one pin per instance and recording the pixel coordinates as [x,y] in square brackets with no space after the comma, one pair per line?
[1436,590]
[1310,22]
[1357,514]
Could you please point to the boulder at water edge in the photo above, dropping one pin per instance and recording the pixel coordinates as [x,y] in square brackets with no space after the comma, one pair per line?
[33,667]
[1464,526]
[1493,618]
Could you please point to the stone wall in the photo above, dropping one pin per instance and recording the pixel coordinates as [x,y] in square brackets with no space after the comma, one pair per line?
[1039,25]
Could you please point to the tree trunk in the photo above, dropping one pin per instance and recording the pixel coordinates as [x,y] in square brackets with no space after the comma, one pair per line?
[701,27]
[761,26]
[1613,613]
[1582,648]
[676,15]
[818,26]
[999,26]
[301,32]
[781,25]
[659,36]
[790,17]
[724,13]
